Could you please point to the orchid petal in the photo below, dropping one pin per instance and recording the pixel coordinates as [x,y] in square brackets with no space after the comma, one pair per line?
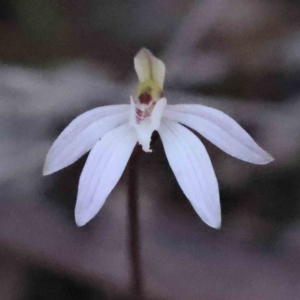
[220,129]
[157,113]
[132,119]
[81,135]
[103,169]
[193,170]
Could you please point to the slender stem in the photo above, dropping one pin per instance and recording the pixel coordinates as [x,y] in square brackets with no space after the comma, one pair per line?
[134,229]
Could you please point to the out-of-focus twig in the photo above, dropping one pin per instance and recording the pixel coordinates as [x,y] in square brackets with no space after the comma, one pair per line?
[181,56]
[202,15]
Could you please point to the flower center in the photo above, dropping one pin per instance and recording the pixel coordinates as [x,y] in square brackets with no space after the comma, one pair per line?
[145,118]
[143,107]
[147,105]
[145,98]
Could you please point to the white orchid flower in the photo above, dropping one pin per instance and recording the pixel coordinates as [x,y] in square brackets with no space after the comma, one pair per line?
[112,132]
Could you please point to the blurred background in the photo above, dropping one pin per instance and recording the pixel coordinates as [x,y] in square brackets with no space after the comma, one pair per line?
[60,58]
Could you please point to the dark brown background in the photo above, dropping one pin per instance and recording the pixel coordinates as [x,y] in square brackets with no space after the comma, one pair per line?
[60,58]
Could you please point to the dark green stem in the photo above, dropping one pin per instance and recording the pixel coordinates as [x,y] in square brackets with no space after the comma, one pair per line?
[134,229]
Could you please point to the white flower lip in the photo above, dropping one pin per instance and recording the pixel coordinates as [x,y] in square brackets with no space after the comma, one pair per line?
[112,132]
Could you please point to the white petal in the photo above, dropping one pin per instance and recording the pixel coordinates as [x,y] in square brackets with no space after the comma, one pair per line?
[132,119]
[219,129]
[193,170]
[81,135]
[102,171]
[157,113]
